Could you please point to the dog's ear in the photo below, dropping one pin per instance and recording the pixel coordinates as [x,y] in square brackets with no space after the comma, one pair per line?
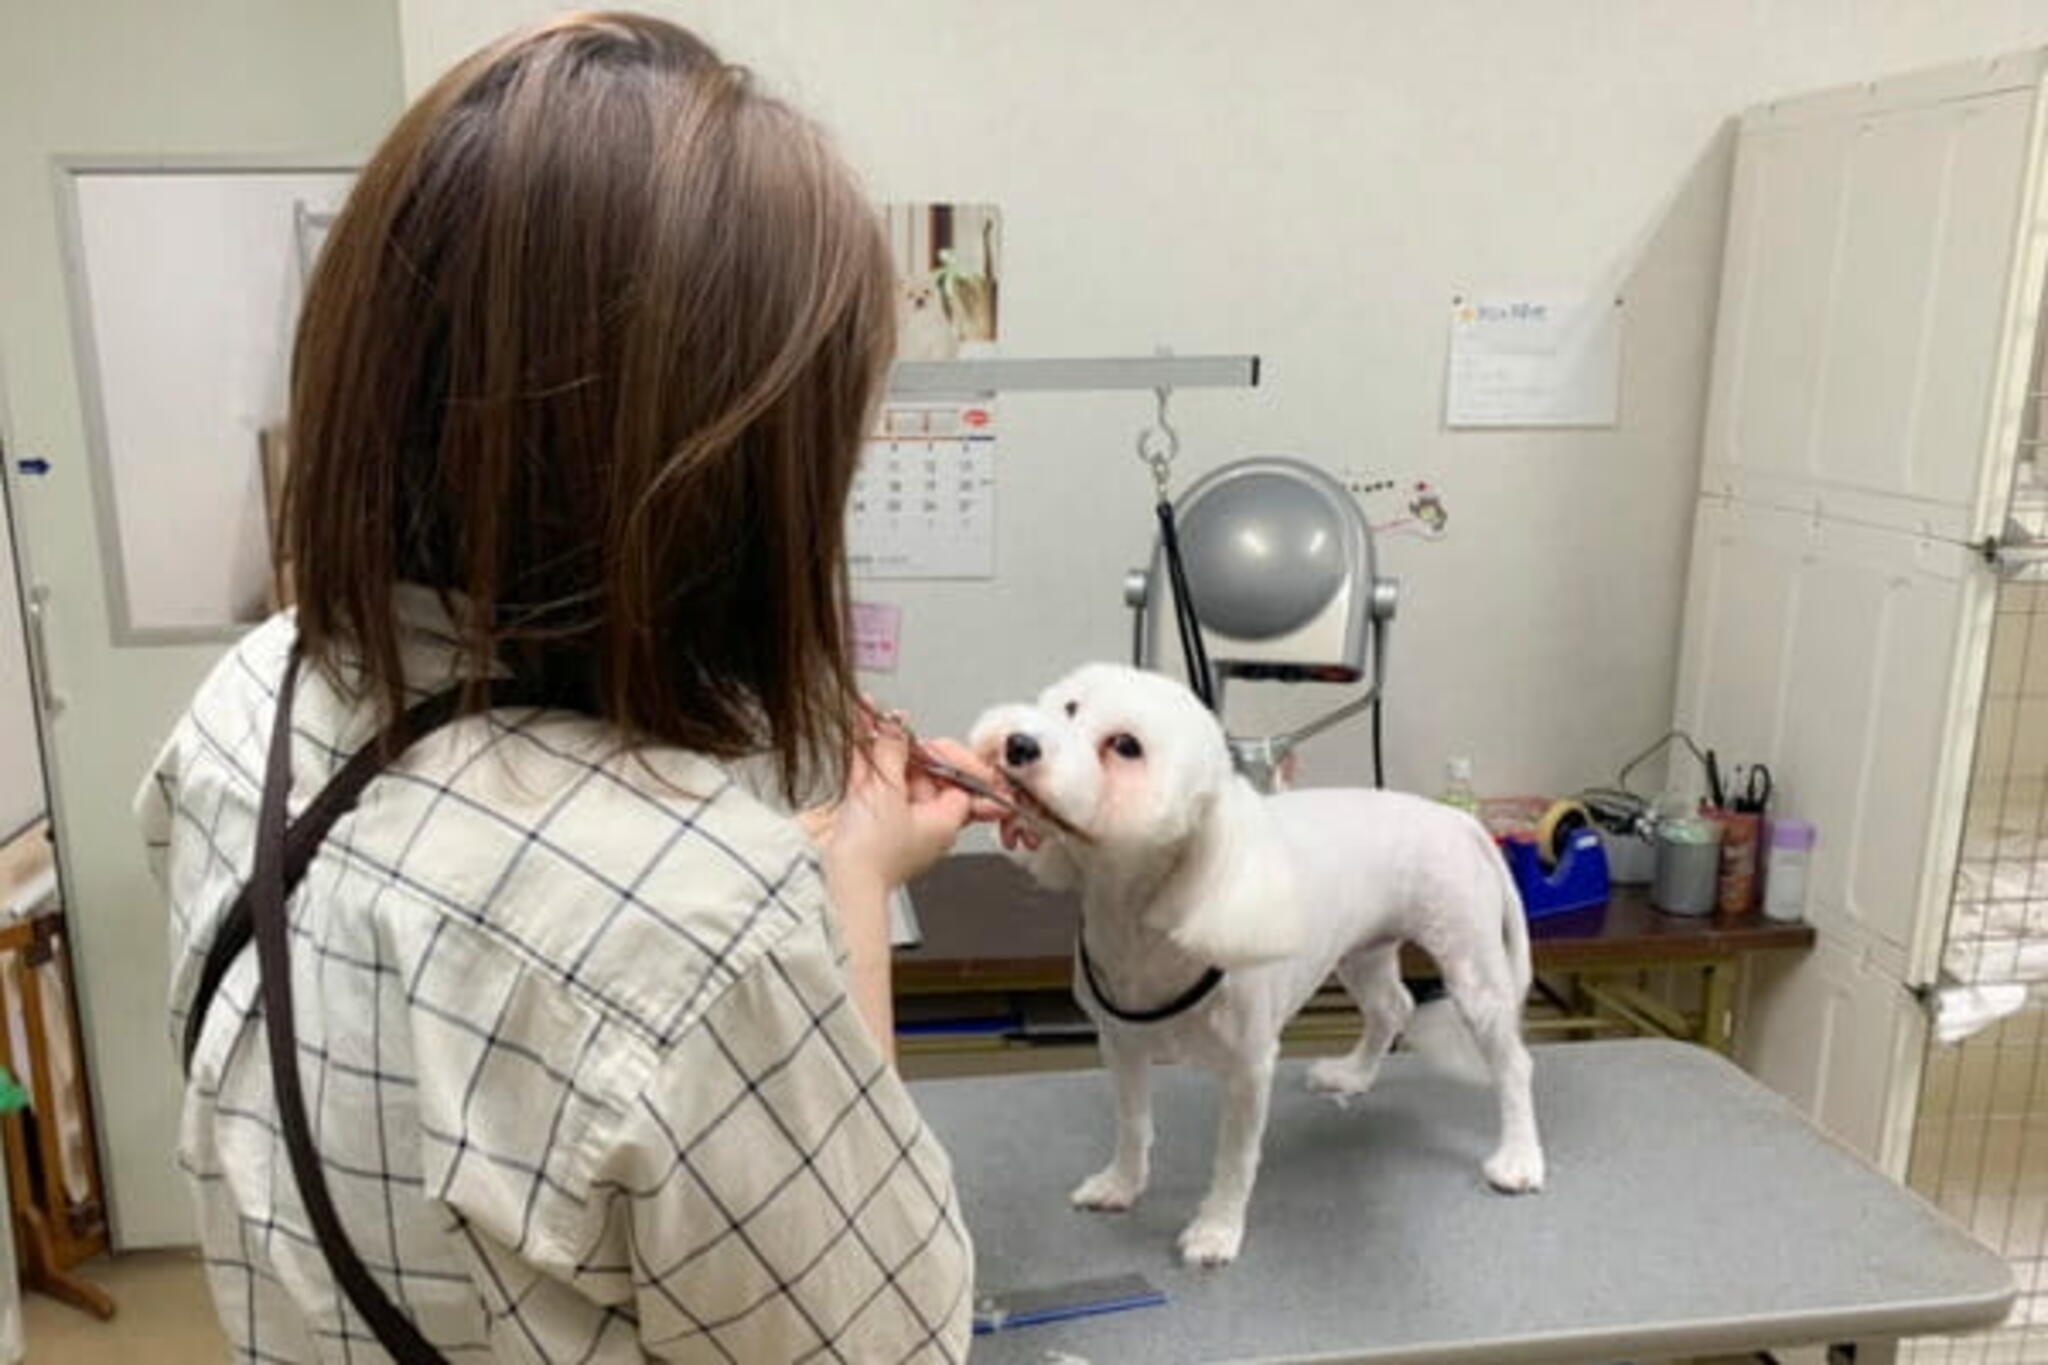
[1232,900]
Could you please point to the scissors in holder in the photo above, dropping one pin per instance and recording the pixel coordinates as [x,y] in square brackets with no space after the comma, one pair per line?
[1754,791]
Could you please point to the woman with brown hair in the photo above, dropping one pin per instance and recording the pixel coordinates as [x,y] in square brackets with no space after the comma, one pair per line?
[591,1044]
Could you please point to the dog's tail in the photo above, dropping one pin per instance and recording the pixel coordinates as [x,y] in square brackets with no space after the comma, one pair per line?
[1437,1032]
[1515,922]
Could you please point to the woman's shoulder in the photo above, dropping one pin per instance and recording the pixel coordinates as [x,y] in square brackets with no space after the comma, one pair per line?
[221,718]
[638,883]
[643,882]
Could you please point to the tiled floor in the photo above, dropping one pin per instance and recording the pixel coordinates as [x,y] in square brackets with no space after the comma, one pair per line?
[165,1317]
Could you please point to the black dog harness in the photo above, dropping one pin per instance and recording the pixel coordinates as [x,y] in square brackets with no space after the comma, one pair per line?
[1179,1005]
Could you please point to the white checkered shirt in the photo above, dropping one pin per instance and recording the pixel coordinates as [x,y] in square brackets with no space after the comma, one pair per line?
[579,1056]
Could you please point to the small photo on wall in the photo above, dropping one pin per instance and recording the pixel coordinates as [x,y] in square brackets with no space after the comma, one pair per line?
[948,259]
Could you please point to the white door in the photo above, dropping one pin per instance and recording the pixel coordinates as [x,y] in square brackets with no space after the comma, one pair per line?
[1879,303]
[142,536]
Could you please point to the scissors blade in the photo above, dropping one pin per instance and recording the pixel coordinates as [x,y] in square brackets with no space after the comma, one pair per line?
[1034,815]
[945,772]
[952,775]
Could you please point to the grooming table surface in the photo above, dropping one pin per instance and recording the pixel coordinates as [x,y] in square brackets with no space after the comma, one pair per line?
[1688,1210]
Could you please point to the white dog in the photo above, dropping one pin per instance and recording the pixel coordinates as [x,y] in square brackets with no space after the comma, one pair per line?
[1210,914]
[924,330]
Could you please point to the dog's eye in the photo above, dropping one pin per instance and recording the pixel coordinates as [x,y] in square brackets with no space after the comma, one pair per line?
[1126,746]
[1073,708]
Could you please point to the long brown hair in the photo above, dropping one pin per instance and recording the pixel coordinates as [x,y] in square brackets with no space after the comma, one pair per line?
[591,349]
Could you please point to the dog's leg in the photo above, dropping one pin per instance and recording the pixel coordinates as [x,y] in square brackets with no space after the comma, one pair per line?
[1117,1186]
[1493,1012]
[1218,1230]
[1374,980]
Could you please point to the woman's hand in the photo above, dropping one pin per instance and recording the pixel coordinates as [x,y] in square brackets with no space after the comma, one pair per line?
[980,809]
[894,821]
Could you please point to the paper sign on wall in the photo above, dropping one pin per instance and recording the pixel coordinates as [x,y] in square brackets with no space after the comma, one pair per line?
[877,629]
[1534,360]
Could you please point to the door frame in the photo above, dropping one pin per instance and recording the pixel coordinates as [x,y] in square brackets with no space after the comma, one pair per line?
[42,698]
[65,171]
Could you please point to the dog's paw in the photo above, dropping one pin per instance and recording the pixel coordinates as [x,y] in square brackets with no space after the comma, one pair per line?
[1107,1191]
[1211,1241]
[1340,1078]
[1515,1170]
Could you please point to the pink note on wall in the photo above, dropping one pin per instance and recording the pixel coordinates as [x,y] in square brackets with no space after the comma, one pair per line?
[877,626]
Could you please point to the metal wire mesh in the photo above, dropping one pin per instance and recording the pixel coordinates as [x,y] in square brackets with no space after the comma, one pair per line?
[1980,1151]
[1980,1138]
[1998,914]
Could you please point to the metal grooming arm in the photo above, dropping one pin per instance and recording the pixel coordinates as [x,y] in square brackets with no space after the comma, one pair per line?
[1259,757]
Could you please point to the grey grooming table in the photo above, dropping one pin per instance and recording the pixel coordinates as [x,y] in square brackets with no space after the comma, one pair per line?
[1688,1211]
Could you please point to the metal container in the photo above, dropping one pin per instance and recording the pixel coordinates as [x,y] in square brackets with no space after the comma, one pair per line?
[1631,859]
[1688,865]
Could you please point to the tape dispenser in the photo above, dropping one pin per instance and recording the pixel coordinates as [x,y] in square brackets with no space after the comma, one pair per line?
[1561,865]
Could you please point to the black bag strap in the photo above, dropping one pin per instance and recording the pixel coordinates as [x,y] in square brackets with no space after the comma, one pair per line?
[283,852]
[302,838]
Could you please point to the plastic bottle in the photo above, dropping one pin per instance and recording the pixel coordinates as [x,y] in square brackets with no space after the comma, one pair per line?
[1458,790]
[1785,861]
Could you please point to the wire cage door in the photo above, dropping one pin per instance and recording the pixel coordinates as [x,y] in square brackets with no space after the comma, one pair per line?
[1980,1134]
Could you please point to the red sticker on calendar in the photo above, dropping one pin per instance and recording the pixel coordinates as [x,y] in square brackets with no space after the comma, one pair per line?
[975,417]
[877,630]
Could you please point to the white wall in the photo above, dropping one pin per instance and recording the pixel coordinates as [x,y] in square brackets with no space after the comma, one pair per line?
[1313,180]
[137,78]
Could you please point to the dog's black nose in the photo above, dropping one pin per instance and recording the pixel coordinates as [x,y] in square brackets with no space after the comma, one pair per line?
[1021,751]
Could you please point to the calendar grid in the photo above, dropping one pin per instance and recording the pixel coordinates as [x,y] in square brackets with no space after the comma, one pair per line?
[923,502]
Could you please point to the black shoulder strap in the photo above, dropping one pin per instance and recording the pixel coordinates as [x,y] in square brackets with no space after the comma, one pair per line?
[303,836]
[282,856]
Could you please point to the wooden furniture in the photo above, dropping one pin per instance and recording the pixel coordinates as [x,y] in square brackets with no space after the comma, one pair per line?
[992,936]
[53,1178]
[1689,1212]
